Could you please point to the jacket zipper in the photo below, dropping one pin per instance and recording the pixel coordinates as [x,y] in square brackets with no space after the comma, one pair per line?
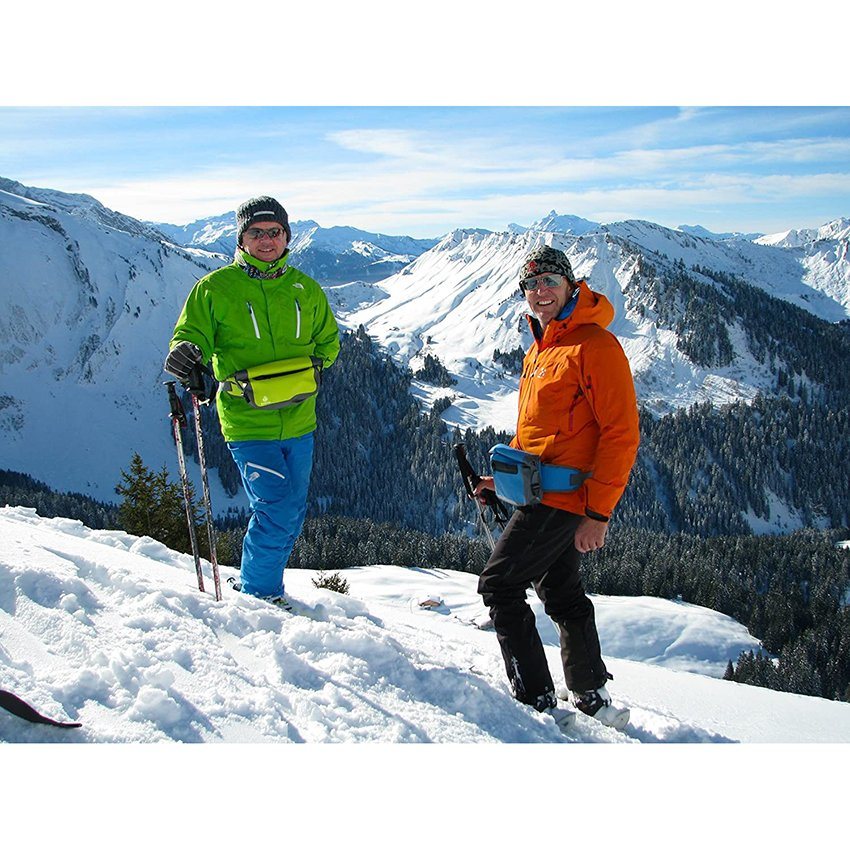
[575,401]
[526,381]
[297,319]
[253,319]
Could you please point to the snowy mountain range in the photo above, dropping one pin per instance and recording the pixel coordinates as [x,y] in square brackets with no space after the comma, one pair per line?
[88,299]
[110,630]
[697,230]
[331,255]
[460,302]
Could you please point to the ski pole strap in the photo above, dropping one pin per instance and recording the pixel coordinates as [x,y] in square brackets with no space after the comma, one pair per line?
[521,478]
[177,412]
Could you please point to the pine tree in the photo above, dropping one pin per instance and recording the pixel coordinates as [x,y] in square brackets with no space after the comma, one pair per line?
[137,513]
[153,507]
[170,517]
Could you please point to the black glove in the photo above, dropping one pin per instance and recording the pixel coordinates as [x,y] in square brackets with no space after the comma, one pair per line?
[182,359]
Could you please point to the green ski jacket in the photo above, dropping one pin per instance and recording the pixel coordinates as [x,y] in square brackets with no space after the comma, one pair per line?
[240,321]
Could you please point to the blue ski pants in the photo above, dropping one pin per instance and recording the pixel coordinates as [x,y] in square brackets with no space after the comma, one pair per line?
[276,477]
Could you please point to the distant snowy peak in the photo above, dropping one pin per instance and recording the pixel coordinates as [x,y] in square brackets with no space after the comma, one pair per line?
[554,223]
[698,230]
[466,234]
[336,255]
[816,278]
[836,230]
[309,234]
[216,234]
[570,224]
[332,255]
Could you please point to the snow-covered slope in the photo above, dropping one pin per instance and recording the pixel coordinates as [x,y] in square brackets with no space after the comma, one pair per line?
[832,231]
[88,299]
[824,254]
[83,207]
[110,630]
[216,234]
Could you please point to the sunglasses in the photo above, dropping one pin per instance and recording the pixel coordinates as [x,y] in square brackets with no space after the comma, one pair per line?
[257,234]
[548,280]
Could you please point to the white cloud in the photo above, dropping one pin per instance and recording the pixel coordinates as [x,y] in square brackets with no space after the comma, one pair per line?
[408,180]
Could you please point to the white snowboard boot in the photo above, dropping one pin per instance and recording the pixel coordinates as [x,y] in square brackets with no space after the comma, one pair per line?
[597,704]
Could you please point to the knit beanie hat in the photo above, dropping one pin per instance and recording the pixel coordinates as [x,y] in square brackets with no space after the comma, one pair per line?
[546,260]
[263,208]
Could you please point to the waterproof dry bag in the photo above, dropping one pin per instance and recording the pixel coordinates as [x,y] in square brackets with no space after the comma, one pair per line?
[281,383]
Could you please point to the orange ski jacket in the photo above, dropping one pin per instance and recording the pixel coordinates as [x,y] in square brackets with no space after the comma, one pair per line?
[577,405]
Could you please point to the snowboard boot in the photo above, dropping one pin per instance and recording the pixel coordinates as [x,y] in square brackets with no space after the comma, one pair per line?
[597,704]
[563,717]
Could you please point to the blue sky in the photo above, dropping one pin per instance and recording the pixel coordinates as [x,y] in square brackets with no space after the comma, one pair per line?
[425,170]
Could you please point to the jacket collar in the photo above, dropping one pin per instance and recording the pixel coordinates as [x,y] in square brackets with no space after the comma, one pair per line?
[243,258]
[584,307]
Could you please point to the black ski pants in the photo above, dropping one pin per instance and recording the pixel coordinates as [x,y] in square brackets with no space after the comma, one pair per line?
[537,548]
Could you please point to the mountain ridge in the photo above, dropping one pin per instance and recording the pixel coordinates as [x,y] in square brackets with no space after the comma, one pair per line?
[459,302]
[333,255]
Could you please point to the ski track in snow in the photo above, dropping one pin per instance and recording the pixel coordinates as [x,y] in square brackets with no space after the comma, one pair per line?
[110,630]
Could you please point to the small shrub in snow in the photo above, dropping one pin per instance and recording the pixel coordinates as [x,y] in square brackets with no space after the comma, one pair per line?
[332,582]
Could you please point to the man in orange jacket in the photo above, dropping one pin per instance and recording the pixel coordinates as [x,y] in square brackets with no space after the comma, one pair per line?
[577,409]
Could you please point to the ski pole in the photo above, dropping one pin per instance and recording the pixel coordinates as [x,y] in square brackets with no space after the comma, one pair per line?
[15,705]
[178,421]
[197,390]
[470,482]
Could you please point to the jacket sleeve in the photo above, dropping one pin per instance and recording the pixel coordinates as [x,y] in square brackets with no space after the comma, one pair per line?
[195,323]
[325,330]
[610,391]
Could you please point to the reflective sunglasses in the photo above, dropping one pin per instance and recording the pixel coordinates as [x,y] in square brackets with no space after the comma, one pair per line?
[257,234]
[549,280]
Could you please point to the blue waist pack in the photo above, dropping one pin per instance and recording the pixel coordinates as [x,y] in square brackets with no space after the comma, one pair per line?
[521,479]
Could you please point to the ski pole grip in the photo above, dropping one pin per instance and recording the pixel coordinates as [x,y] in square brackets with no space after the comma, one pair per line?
[195,383]
[198,386]
[470,478]
[177,411]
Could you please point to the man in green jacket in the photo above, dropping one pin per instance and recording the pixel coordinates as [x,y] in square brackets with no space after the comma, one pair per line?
[256,311]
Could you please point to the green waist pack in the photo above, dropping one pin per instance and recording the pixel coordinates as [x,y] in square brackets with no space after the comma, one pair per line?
[281,383]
